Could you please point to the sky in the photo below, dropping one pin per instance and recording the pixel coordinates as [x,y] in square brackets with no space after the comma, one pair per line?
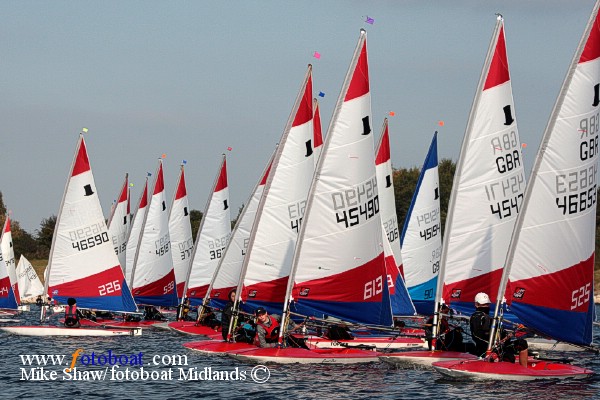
[189,79]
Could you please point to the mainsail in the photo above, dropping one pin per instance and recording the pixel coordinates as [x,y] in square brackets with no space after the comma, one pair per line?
[29,282]
[82,262]
[180,230]
[135,232]
[339,266]
[153,276]
[118,223]
[281,209]
[211,239]
[421,237]
[487,192]
[551,258]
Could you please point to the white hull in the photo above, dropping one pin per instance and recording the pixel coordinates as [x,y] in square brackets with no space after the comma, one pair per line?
[548,344]
[300,360]
[416,360]
[9,320]
[24,307]
[317,342]
[162,325]
[482,376]
[58,331]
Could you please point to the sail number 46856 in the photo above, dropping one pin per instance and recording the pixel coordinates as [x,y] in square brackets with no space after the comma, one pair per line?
[373,288]
[580,296]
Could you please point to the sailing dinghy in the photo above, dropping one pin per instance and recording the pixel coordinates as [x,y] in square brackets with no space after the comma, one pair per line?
[267,264]
[29,283]
[338,266]
[211,241]
[82,262]
[228,273]
[153,277]
[548,278]
[486,197]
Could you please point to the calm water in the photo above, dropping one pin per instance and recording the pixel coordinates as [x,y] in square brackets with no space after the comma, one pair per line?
[302,382]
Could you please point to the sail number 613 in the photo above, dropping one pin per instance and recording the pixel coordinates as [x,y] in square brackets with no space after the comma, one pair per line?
[373,288]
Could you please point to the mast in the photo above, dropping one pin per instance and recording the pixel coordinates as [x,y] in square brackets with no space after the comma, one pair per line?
[54,235]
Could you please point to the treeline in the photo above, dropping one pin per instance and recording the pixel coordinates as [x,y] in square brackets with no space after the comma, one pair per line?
[36,245]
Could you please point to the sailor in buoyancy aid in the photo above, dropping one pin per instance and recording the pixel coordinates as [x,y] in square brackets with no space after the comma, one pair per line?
[72,314]
[267,328]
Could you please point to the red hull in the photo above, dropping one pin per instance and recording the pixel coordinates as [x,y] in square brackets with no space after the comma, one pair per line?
[217,347]
[536,369]
[190,328]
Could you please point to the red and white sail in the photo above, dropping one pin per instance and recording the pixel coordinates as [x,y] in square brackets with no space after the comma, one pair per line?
[8,256]
[211,239]
[29,282]
[281,210]
[227,275]
[135,232]
[551,258]
[82,262]
[339,265]
[153,276]
[118,223]
[317,131]
[180,229]
[401,303]
[487,192]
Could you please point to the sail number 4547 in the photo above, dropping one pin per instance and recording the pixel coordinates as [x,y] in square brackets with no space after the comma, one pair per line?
[580,296]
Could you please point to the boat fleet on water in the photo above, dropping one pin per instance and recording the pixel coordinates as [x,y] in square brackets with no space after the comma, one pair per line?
[318,240]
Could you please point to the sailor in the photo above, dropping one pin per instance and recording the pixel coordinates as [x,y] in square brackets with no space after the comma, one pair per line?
[481,323]
[227,313]
[268,327]
[449,337]
[39,301]
[72,314]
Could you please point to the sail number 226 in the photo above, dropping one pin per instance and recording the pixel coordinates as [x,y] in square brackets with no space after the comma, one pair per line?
[373,288]
[580,296]
[109,288]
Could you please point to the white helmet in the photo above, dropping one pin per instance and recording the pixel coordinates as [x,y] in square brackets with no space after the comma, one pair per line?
[482,298]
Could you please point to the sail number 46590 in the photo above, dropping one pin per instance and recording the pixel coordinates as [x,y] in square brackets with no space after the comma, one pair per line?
[373,288]
[580,296]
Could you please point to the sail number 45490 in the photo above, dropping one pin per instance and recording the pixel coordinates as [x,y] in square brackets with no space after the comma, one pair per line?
[373,288]
[580,296]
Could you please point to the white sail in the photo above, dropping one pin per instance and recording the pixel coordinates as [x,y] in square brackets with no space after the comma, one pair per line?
[180,229]
[82,262]
[229,269]
[8,256]
[339,266]
[487,192]
[135,232]
[281,210]
[153,276]
[118,224]
[211,239]
[29,282]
